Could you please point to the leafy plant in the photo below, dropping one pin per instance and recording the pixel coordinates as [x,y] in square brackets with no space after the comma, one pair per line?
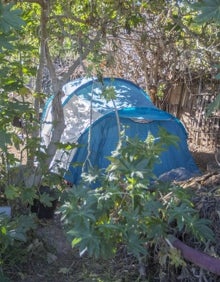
[14,105]
[209,13]
[10,19]
[130,206]
[13,236]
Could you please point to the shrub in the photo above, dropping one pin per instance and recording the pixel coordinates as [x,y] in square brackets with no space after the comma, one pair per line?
[130,206]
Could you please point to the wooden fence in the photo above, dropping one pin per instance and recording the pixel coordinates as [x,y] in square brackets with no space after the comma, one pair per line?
[190,106]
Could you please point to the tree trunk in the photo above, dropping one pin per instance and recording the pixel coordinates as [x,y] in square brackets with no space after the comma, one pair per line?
[58,126]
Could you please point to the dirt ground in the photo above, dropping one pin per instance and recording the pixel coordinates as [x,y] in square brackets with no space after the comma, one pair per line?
[51,258]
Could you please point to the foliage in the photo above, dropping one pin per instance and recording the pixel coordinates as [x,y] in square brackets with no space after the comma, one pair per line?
[214,106]
[10,20]
[17,124]
[130,207]
[15,96]
[13,237]
[209,13]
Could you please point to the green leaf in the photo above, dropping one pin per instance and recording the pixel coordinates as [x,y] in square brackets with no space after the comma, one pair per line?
[27,195]
[10,18]
[135,244]
[214,106]
[5,139]
[152,208]
[5,42]
[200,228]
[209,11]
[67,146]
[12,192]
[20,236]
[181,214]
[76,241]
[157,228]
[46,199]
[3,230]
[109,93]
[167,138]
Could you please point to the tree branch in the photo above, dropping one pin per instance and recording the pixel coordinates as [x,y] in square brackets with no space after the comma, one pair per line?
[81,57]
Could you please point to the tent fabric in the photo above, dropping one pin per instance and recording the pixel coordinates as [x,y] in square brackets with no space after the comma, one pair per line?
[106,127]
[83,104]
[91,122]
[128,94]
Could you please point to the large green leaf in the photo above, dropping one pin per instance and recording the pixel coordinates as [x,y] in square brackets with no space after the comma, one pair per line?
[209,11]
[12,192]
[4,42]
[200,228]
[5,139]
[10,18]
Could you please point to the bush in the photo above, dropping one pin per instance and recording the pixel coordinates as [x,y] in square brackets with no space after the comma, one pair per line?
[130,206]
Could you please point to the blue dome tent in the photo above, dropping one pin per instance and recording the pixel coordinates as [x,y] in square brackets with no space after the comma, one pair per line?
[91,122]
